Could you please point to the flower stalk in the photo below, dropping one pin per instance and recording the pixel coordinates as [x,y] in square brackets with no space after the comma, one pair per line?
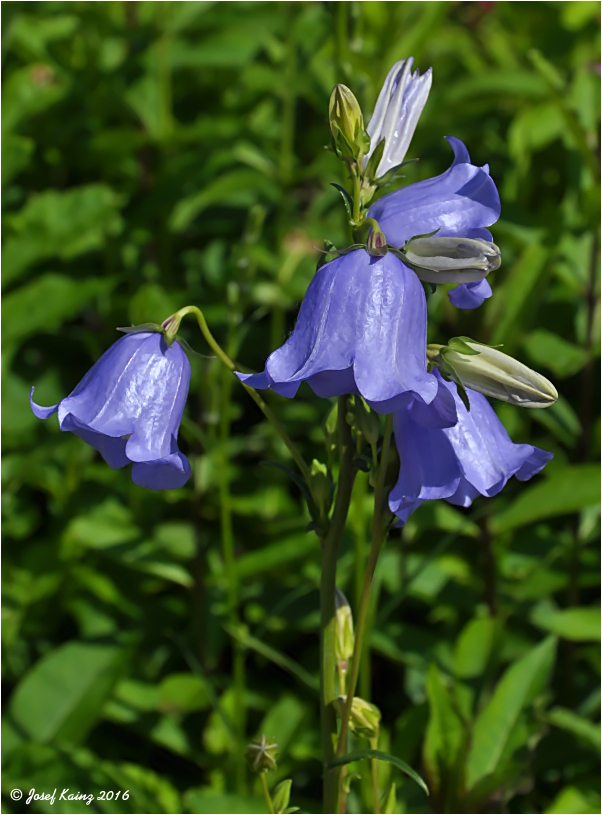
[378,538]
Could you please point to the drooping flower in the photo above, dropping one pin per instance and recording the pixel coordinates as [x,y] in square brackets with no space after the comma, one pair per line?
[398,108]
[474,457]
[459,203]
[129,407]
[361,329]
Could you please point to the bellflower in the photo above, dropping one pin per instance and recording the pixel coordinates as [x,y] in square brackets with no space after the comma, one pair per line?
[459,203]
[474,457]
[129,407]
[361,329]
[398,108]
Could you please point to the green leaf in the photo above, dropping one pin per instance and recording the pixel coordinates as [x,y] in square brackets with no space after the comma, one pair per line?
[45,304]
[281,795]
[579,726]
[182,693]
[445,739]
[347,199]
[62,696]
[568,490]
[60,224]
[520,684]
[358,755]
[572,799]
[474,648]
[553,352]
[206,800]
[16,154]
[577,624]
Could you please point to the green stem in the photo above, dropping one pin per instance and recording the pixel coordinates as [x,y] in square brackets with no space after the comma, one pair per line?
[267,412]
[378,537]
[230,570]
[330,551]
[266,793]
[375,787]
[357,186]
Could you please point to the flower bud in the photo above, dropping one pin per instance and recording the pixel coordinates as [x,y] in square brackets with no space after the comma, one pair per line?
[366,421]
[261,754]
[321,486]
[493,373]
[344,637]
[364,719]
[376,245]
[347,124]
[452,260]
[398,108]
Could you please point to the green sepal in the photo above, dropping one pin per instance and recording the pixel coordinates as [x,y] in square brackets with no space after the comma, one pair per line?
[393,174]
[347,199]
[141,329]
[460,346]
[449,373]
[374,160]
[186,346]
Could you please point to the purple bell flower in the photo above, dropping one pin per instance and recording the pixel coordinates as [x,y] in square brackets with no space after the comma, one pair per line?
[474,457]
[361,329]
[129,407]
[459,203]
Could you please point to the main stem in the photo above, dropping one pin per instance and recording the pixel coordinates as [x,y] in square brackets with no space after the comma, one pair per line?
[378,537]
[330,550]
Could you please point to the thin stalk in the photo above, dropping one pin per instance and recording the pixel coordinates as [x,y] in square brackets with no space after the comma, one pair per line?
[378,537]
[227,530]
[330,551]
[267,412]
[266,793]
[375,786]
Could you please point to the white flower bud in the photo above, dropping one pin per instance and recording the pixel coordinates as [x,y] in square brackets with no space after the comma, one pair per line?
[452,260]
[495,374]
[398,108]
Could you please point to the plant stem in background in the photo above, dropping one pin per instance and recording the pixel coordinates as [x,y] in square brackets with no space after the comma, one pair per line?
[267,412]
[378,538]
[230,571]
[374,769]
[330,551]
[266,793]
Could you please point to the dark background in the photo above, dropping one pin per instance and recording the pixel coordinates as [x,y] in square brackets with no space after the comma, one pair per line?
[160,154]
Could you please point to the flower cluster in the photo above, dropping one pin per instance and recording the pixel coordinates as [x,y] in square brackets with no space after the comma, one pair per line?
[361,329]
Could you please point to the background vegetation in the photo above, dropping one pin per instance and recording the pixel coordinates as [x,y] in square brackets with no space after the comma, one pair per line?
[160,154]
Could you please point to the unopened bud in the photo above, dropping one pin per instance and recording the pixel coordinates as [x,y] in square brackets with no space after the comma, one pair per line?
[493,373]
[376,245]
[347,124]
[452,260]
[344,638]
[321,486]
[261,754]
[364,719]
[366,421]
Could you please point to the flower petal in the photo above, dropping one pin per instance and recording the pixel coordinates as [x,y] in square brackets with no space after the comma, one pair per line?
[463,198]
[361,328]
[168,473]
[110,448]
[39,411]
[470,295]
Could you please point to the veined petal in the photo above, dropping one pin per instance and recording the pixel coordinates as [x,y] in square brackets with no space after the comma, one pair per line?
[462,199]
[39,411]
[470,295]
[398,109]
[361,328]
[168,473]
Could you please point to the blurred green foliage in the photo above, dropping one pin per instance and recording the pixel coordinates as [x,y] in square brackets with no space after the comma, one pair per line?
[159,154]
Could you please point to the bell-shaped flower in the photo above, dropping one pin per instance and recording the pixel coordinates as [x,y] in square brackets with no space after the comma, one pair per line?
[459,203]
[361,329]
[474,457]
[398,108]
[129,407]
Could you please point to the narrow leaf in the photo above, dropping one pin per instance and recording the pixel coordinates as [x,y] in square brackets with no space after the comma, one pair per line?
[358,755]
